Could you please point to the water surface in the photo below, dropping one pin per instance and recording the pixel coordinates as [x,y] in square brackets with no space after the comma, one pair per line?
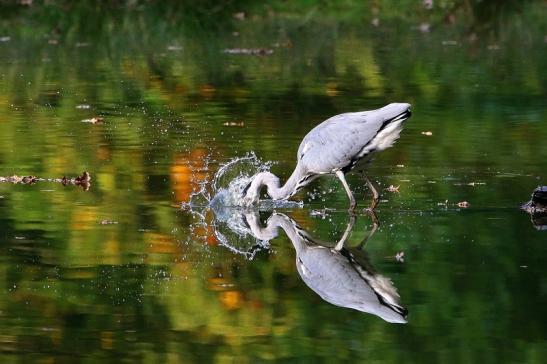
[122,272]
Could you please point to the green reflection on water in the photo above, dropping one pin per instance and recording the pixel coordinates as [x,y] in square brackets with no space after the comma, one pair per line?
[155,286]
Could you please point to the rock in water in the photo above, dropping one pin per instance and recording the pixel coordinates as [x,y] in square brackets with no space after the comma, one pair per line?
[537,208]
[539,196]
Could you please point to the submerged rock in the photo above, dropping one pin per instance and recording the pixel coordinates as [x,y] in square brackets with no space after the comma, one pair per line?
[538,202]
[537,208]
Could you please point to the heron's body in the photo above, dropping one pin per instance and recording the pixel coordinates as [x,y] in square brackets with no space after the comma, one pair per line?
[336,146]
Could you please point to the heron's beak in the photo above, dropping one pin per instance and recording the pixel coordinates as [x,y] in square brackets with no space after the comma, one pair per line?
[402,116]
[244,191]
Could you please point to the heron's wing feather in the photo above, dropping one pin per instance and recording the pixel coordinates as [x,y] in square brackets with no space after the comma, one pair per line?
[335,143]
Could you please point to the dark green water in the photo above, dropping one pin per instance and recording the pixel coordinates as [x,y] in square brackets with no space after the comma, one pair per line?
[121,272]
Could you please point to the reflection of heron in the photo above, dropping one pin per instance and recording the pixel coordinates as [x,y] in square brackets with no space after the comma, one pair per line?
[335,273]
[336,146]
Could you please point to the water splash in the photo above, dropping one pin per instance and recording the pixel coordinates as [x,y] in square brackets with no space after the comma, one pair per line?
[231,179]
[228,184]
[223,195]
[233,233]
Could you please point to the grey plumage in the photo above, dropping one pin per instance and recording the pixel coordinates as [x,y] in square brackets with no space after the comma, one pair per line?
[336,146]
[333,272]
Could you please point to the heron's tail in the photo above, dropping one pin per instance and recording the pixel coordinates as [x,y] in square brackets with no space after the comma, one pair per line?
[395,116]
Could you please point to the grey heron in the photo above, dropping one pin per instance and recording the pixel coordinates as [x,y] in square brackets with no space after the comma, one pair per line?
[338,145]
[336,273]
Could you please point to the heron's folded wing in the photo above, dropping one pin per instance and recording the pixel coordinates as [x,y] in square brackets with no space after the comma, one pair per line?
[337,142]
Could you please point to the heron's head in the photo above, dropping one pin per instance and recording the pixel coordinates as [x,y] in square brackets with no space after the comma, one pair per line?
[251,192]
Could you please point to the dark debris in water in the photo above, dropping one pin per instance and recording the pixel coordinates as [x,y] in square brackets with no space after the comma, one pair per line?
[240,124]
[249,51]
[94,120]
[107,222]
[463,204]
[83,180]
[20,179]
[537,208]
[399,257]
[538,202]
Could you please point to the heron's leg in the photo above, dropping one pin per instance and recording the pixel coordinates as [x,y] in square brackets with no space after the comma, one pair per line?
[375,225]
[344,237]
[352,203]
[375,195]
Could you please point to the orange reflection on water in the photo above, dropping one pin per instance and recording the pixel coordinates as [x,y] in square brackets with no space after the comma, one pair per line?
[107,340]
[207,232]
[160,243]
[230,297]
[187,172]
[232,300]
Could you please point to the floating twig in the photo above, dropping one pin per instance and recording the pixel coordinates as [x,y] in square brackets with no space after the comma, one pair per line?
[83,181]
[249,51]
[94,120]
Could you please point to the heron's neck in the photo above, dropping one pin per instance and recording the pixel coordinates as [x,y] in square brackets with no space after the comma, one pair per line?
[272,183]
[269,231]
[290,227]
